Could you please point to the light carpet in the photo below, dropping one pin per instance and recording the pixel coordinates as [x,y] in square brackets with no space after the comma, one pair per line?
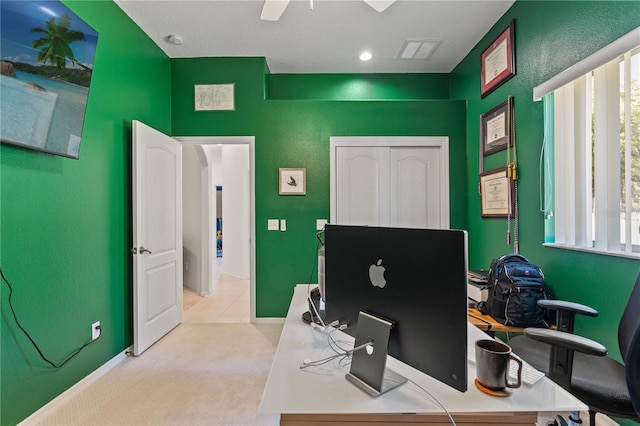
[198,374]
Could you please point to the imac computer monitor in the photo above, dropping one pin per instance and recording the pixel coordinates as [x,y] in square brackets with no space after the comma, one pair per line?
[415,278]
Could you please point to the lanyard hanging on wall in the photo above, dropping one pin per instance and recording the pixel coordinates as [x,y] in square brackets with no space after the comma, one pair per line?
[512,166]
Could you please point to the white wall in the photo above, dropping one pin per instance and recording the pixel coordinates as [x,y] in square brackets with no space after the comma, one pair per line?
[235,210]
[193,162]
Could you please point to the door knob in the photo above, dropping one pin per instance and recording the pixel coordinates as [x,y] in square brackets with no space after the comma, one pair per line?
[141,251]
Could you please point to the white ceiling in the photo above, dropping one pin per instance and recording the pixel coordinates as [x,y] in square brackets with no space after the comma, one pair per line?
[325,39]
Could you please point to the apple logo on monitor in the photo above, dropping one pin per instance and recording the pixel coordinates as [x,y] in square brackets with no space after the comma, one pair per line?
[376,274]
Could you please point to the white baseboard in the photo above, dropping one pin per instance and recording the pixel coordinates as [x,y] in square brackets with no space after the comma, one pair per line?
[74,390]
[269,321]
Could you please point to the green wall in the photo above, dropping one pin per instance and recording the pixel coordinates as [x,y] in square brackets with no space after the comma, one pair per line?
[65,233]
[359,86]
[295,133]
[549,37]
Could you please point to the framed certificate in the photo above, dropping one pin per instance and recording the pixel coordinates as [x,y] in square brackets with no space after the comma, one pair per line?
[497,62]
[214,97]
[496,128]
[496,193]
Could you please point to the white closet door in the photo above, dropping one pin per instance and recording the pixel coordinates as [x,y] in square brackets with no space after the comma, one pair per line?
[363,190]
[390,181]
[415,187]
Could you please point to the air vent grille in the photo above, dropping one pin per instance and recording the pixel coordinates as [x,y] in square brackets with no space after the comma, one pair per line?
[418,49]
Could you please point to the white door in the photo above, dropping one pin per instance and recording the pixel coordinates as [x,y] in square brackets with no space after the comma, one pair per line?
[416,187]
[157,235]
[390,181]
[363,176]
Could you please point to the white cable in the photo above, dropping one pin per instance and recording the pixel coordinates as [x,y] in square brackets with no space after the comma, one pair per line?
[347,354]
[436,401]
[312,363]
[333,342]
[315,311]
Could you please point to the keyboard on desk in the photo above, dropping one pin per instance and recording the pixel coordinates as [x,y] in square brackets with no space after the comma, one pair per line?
[530,376]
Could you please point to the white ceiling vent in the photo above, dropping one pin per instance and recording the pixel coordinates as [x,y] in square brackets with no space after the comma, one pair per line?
[418,49]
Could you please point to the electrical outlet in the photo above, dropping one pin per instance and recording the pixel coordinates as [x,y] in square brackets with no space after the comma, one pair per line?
[95,330]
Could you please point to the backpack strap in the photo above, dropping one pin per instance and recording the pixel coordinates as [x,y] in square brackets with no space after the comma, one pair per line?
[513,257]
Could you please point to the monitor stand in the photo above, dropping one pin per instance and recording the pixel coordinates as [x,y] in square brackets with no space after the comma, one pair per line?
[368,365]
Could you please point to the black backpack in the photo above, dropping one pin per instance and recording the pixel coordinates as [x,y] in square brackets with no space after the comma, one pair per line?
[514,287]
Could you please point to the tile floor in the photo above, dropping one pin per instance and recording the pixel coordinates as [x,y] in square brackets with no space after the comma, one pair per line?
[230,302]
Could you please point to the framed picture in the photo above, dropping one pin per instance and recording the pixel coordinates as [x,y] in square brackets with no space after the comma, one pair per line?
[293,181]
[497,62]
[496,129]
[497,193]
[214,97]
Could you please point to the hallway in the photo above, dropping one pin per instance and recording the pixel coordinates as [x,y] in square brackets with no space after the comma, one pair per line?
[229,303]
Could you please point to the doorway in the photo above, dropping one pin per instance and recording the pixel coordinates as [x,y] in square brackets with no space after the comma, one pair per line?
[219,208]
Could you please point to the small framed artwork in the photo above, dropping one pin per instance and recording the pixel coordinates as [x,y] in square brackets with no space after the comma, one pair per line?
[214,97]
[293,181]
[496,128]
[497,61]
[497,193]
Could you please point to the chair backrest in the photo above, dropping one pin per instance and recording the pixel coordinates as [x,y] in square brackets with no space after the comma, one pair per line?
[629,341]
[630,321]
[632,369]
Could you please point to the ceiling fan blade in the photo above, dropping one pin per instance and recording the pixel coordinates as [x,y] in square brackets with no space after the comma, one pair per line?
[379,5]
[273,9]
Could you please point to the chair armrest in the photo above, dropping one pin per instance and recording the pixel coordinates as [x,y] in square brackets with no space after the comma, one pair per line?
[561,305]
[566,340]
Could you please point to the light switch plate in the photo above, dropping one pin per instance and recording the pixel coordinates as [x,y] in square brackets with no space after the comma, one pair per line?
[283,225]
[273,224]
[320,223]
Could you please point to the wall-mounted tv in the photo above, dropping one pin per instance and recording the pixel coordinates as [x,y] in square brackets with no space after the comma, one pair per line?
[46,62]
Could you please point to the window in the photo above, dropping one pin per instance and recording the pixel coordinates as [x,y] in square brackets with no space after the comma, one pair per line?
[591,153]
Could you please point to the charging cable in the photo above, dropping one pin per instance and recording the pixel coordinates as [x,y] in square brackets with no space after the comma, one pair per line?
[453,423]
[312,363]
[324,329]
[35,345]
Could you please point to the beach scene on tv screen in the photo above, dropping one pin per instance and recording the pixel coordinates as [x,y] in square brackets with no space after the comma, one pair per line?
[46,63]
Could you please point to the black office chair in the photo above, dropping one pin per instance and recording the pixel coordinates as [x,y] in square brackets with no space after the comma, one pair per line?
[581,366]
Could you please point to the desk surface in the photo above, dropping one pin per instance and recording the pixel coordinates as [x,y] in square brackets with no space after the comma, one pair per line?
[324,389]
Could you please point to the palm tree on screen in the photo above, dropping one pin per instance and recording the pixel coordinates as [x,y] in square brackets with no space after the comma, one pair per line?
[55,44]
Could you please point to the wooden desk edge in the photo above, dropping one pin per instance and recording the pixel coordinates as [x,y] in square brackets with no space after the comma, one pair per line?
[488,323]
[404,419]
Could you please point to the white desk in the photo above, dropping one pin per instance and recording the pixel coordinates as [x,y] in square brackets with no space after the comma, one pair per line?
[322,394]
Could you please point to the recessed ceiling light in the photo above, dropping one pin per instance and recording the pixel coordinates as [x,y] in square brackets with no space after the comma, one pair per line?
[365,56]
